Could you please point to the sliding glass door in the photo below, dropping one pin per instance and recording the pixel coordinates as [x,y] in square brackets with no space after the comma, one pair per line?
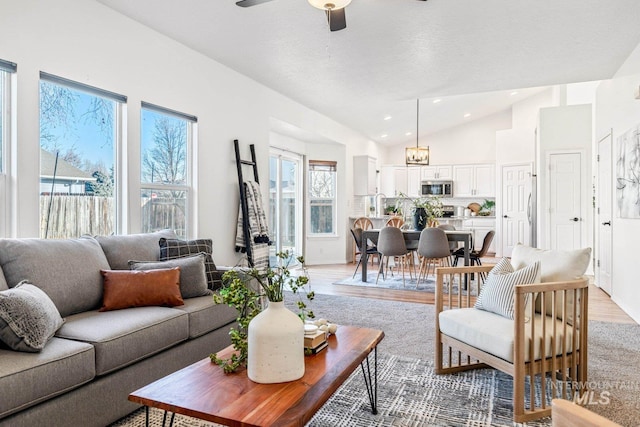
[285,202]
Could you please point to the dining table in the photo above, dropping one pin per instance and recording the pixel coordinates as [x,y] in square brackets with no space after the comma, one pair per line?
[412,237]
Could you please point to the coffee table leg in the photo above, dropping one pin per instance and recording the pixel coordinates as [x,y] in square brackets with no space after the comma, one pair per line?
[371,384]
[146,416]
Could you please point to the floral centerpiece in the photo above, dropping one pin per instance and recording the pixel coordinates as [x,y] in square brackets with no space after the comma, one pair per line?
[245,288]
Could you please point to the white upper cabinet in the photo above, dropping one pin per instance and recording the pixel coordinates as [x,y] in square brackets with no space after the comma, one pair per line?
[428,173]
[393,180]
[413,181]
[474,180]
[364,175]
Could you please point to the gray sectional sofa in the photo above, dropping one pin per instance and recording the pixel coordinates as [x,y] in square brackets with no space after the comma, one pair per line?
[86,371]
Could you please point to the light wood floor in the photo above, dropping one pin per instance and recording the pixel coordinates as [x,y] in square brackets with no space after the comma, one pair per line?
[323,278]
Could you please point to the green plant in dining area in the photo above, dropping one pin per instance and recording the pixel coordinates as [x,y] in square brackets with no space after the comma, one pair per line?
[243,289]
[487,207]
[426,210]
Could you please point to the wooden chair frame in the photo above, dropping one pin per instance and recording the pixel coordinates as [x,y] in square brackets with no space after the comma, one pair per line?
[568,369]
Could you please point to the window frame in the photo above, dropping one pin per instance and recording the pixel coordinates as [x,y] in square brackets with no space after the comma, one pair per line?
[189,187]
[333,168]
[120,160]
[8,71]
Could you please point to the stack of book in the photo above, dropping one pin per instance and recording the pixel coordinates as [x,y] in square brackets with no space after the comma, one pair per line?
[314,343]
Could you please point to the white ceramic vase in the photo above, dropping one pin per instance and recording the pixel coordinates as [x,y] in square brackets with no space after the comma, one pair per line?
[276,346]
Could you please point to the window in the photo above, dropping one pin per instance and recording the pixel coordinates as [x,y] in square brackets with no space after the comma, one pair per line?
[165,172]
[322,196]
[6,70]
[78,142]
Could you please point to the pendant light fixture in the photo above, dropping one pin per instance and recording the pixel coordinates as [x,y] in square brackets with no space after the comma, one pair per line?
[417,155]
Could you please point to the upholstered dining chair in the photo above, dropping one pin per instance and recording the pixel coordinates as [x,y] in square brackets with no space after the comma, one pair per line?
[371,250]
[363,223]
[433,247]
[391,244]
[452,245]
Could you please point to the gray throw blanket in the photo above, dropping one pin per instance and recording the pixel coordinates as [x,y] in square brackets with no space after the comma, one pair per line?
[258,228]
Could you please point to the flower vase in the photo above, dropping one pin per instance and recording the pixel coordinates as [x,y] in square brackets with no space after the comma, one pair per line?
[275,346]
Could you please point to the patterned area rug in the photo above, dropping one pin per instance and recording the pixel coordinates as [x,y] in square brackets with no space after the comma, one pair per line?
[409,394]
[391,282]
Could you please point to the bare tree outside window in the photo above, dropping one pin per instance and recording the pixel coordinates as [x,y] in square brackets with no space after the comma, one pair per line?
[164,171]
[322,195]
[77,188]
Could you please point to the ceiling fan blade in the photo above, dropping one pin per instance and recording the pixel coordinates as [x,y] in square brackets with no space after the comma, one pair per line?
[337,19]
[247,3]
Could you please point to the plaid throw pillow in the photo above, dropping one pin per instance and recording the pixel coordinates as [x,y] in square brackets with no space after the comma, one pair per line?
[175,248]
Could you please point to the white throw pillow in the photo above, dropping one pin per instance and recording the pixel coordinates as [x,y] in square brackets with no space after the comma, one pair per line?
[555,265]
[497,293]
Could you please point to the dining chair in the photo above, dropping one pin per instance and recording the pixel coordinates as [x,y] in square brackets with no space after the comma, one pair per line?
[371,250]
[474,256]
[391,244]
[452,245]
[363,223]
[395,221]
[433,248]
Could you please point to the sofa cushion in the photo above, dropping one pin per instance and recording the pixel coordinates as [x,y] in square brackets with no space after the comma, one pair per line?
[175,248]
[206,316]
[494,334]
[68,270]
[123,337]
[555,265]
[193,280]
[126,289]
[28,318]
[3,281]
[144,247]
[29,378]
[497,294]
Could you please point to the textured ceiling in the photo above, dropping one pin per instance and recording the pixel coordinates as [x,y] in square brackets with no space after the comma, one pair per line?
[394,51]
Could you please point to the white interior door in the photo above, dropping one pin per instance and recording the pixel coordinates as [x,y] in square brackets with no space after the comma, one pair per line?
[565,201]
[514,224]
[604,204]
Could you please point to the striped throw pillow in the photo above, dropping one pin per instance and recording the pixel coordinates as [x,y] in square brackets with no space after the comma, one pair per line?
[497,293]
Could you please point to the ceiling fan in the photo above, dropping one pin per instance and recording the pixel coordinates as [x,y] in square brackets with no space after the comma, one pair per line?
[333,8]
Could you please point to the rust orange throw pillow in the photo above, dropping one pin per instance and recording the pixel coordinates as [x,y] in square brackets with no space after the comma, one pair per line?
[124,288]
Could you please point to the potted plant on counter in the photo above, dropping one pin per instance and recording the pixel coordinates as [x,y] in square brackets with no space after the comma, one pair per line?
[426,211]
[487,207]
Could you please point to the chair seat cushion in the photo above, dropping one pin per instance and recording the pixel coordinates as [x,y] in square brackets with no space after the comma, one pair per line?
[122,337]
[205,315]
[29,378]
[494,334]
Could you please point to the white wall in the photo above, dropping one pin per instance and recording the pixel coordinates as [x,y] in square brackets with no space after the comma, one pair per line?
[90,43]
[474,142]
[617,109]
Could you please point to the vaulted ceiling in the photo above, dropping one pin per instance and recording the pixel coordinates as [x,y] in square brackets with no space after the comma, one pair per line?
[471,54]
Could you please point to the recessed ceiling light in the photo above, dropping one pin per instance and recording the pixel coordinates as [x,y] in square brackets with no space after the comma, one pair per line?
[408,134]
[435,101]
[467,115]
[384,135]
[387,117]
[515,92]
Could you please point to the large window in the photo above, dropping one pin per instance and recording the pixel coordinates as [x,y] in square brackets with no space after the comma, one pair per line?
[6,69]
[78,141]
[166,141]
[322,196]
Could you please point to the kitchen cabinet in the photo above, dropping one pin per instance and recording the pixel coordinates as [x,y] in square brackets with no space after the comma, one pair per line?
[413,181]
[364,176]
[436,172]
[479,228]
[393,180]
[474,180]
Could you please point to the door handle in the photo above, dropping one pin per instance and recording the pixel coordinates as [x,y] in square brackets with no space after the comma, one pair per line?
[505,216]
[607,223]
[574,219]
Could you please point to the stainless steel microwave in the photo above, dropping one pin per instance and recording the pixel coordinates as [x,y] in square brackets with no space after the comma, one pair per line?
[436,188]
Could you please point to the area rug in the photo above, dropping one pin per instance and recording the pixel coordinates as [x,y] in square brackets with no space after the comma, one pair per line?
[411,395]
[390,282]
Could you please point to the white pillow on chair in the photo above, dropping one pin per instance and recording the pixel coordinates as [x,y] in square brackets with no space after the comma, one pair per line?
[555,265]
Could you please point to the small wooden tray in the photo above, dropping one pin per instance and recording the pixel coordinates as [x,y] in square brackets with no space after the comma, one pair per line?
[475,207]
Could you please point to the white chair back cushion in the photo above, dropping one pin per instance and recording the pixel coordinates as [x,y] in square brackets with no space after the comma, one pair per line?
[555,265]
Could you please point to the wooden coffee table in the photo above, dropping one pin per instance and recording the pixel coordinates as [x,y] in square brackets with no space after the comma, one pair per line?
[204,391]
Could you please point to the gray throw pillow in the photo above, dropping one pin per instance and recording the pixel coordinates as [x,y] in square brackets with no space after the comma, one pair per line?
[193,280]
[176,248]
[28,318]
